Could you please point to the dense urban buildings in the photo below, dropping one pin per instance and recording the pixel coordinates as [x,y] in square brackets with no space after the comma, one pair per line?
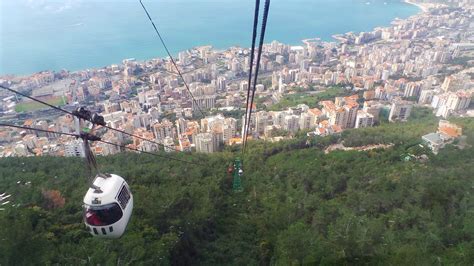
[426,60]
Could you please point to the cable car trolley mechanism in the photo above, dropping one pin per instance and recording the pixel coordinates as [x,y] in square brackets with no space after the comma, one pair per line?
[108,203]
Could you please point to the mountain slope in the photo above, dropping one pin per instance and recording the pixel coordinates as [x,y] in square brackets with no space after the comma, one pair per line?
[300,205]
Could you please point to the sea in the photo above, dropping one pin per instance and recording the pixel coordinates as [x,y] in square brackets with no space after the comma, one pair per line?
[37,35]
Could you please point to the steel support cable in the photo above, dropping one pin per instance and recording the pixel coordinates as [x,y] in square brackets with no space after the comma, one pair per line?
[103,141]
[71,113]
[171,58]
[252,55]
[257,67]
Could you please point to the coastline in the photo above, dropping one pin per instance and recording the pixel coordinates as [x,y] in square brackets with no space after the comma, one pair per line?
[424,7]
[333,38]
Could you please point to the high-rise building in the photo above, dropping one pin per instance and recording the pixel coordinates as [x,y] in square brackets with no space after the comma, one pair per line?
[111,107]
[221,83]
[455,82]
[261,121]
[439,100]
[228,131]
[291,123]
[372,108]
[206,143]
[204,102]
[277,118]
[305,121]
[280,59]
[459,100]
[343,112]
[338,117]
[385,74]
[364,119]
[426,96]
[169,144]
[400,111]
[147,146]
[315,115]
[351,114]
[74,148]
[412,89]
[163,130]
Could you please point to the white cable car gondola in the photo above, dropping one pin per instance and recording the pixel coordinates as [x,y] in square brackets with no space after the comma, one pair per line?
[108,205]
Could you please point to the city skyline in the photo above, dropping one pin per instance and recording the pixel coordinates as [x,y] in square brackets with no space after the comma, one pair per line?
[382,73]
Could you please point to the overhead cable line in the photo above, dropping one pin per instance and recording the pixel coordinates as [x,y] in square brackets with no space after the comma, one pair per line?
[88,119]
[96,139]
[259,55]
[252,55]
[257,67]
[171,57]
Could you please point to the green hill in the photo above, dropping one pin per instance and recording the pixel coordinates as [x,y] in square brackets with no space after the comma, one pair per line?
[299,206]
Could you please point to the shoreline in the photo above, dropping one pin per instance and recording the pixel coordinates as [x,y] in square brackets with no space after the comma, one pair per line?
[334,38]
[423,7]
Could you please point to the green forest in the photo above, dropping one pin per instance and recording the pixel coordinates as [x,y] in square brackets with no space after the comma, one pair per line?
[310,99]
[299,205]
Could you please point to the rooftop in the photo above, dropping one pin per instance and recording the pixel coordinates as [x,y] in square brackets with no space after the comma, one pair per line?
[433,138]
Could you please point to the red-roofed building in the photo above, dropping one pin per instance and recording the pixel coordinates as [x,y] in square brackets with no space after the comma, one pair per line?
[449,130]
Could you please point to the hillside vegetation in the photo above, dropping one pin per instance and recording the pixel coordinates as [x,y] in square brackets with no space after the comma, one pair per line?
[311,99]
[299,206]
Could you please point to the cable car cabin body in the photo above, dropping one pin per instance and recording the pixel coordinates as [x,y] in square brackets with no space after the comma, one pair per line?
[107,210]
